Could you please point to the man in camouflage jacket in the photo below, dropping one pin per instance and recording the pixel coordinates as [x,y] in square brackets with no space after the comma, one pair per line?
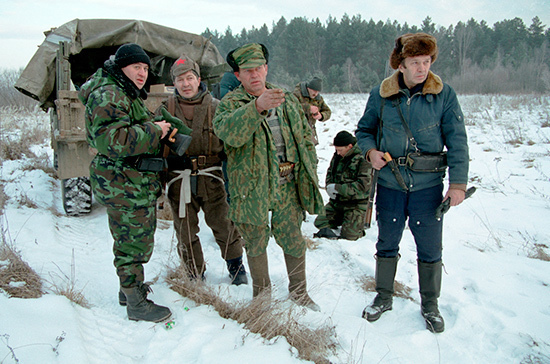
[120,128]
[271,165]
[195,180]
[348,184]
[315,108]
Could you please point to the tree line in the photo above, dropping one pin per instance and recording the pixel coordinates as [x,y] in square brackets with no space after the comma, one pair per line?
[351,55]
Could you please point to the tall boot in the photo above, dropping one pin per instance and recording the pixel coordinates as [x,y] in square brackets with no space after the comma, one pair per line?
[139,308]
[429,279]
[385,277]
[259,271]
[297,286]
[237,273]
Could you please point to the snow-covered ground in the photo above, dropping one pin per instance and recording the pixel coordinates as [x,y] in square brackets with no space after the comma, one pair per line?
[495,297]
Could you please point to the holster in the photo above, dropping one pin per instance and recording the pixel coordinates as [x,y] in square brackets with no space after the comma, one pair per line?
[426,162]
[147,163]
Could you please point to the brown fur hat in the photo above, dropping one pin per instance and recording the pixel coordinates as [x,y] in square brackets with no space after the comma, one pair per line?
[412,45]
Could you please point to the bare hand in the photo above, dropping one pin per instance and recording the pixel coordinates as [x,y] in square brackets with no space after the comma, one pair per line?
[377,160]
[271,98]
[164,126]
[456,196]
[314,111]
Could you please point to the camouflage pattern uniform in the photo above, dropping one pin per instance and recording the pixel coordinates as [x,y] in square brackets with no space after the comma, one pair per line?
[353,178]
[119,126]
[300,91]
[254,178]
[204,154]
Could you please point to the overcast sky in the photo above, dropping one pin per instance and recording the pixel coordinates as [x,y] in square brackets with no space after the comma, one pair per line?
[22,22]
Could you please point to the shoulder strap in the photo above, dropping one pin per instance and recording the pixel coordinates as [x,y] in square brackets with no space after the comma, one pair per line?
[396,103]
[172,104]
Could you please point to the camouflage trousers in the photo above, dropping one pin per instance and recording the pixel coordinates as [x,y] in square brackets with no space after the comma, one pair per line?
[350,216]
[133,231]
[286,223]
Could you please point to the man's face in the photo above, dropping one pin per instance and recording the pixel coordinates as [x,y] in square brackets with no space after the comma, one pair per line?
[342,151]
[137,73]
[187,84]
[253,79]
[312,93]
[415,69]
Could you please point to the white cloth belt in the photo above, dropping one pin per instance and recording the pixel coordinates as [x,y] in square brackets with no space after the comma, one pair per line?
[185,189]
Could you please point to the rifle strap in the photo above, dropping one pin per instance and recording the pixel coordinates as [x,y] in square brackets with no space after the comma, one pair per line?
[395,104]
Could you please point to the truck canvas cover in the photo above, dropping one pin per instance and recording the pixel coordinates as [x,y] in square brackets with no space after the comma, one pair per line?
[92,41]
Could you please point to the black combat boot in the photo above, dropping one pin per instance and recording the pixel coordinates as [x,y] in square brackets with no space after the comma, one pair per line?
[139,308]
[237,273]
[385,277]
[259,271]
[297,286]
[429,279]
[325,233]
[122,296]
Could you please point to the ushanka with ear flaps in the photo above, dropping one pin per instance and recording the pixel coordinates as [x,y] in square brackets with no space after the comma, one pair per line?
[412,45]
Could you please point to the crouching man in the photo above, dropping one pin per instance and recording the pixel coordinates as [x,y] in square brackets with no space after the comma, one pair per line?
[348,184]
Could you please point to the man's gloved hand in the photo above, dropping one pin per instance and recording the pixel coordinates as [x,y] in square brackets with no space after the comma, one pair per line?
[331,190]
[176,123]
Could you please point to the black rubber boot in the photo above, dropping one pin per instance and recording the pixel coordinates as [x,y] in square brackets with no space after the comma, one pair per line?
[385,277]
[429,279]
[325,233]
[139,308]
[237,273]
[259,271]
[297,286]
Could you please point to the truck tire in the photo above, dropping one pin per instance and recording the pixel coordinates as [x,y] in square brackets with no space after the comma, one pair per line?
[77,196]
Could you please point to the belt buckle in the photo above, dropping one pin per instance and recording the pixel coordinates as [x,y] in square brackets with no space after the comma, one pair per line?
[201,160]
[401,161]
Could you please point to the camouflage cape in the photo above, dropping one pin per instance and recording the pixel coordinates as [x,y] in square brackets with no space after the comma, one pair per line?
[119,125]
[351,174]
[252,164]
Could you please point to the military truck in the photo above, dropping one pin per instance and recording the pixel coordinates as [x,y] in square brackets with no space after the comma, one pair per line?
[70,54]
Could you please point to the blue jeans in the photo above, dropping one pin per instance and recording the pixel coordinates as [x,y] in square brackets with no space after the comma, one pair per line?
[393,207]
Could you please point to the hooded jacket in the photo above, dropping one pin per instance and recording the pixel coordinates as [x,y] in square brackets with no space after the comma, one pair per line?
[119,125]
[252,165]
[436,121]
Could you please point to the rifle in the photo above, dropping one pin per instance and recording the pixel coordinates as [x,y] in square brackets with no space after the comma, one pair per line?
[371,198]
[446,205]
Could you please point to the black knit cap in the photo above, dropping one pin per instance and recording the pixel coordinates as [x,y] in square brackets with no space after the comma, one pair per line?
[129,54]
[315,84]
[343,139]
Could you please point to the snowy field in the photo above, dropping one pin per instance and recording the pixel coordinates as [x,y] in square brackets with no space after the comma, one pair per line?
[496,288]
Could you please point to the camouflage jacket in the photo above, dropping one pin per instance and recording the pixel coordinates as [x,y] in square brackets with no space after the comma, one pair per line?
[300,91]
[352,176]
[252,165]
[119,125]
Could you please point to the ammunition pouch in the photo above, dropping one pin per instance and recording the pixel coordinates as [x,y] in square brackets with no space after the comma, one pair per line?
[425,162]
[147,163]
[285,169]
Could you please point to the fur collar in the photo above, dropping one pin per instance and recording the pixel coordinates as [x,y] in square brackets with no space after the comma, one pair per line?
[390,86]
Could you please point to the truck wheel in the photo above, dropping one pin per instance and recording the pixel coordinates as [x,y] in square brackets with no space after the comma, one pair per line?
[77,196]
